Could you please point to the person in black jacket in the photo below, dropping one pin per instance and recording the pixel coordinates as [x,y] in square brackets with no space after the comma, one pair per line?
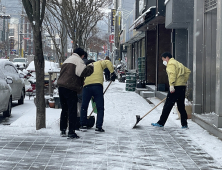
[70,82]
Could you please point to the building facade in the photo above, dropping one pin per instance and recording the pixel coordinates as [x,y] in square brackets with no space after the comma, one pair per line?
[191,31]
[207,60]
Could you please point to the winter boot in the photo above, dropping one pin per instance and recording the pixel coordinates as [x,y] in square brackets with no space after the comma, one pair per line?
[99,130]
[63,133]
[73,136]
[83,128]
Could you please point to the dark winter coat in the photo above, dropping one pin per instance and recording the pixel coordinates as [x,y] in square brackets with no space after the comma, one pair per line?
[73,72]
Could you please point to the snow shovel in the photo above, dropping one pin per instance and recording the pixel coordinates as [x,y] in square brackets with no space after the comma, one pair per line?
[138,119]
[95,105]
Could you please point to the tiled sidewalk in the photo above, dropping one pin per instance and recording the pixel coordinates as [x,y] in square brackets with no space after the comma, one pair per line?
[117,149]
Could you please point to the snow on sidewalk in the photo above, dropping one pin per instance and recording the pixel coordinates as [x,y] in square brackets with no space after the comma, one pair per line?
[121,147]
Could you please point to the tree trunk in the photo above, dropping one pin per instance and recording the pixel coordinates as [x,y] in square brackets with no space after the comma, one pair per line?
[39,68]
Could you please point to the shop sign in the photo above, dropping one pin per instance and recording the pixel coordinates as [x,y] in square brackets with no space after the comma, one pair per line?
[119,18]
[111,38]
[113,14]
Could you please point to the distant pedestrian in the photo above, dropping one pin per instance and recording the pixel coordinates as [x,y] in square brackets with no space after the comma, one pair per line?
[106,71]
[178,75]
[93,87]
[70,82]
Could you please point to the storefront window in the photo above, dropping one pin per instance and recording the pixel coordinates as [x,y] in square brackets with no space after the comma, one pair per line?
[141,60]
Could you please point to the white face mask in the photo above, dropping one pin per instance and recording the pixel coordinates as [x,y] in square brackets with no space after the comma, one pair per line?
[165,63]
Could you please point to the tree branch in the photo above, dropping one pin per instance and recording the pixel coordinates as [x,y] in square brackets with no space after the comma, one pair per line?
[28,8]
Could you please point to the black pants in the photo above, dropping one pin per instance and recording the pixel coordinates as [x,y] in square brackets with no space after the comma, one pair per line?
[68,100]
[179,97]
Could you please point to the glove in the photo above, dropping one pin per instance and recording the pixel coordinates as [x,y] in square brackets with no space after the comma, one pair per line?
[113,76]
[172,90]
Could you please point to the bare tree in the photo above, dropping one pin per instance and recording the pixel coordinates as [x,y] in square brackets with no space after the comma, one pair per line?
[79,17]
[53,26]
[35,10]
[96,43]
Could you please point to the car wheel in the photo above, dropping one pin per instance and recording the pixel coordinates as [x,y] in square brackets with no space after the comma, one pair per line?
[7,113]
[21,100]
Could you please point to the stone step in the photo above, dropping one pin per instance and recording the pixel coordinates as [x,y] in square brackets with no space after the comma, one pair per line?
[147,94]
[138,90]
[151,87]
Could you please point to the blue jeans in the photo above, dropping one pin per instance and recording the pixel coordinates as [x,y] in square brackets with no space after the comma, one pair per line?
[95,90]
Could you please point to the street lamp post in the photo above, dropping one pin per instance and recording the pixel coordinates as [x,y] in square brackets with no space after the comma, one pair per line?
[20,41]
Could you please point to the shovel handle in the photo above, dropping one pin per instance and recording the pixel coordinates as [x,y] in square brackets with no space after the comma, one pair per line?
[103,94]
[153,108]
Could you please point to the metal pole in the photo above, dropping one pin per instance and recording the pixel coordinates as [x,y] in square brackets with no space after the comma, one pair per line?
[21,29]
[218,90]
[18,42]
[50,84]
[7,39]
[3,36]
[109,17]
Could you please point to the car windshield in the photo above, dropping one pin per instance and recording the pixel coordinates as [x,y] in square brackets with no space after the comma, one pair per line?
[19,60]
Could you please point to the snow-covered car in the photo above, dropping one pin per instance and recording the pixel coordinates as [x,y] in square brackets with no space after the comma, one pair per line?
[17,86]
[6,95]
[49,66]
[20,63]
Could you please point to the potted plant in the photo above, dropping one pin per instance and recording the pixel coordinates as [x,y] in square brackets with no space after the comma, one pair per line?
[51,102]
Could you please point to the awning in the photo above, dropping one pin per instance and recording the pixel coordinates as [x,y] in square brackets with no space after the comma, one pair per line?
[137,37]
[140,20]
[152,18]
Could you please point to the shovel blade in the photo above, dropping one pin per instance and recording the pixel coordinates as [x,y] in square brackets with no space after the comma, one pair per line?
[137,120]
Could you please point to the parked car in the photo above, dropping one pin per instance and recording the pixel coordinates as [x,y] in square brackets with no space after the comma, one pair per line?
[6,95]
[20,63]
[17,86]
